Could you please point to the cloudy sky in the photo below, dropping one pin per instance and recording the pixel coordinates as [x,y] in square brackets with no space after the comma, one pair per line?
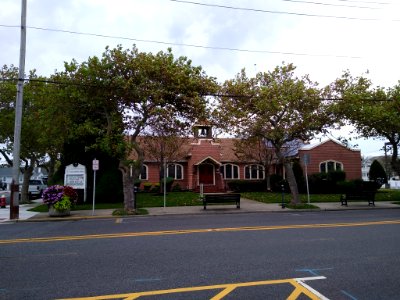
[321,37]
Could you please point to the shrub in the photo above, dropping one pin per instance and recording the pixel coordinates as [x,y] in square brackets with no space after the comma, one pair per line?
[155,188]
[147,186]
[276,182]
[137,183]
[377,173]
[176,188]
[64,204]
[346,186]
[319,184]
[336,176]
[62,197]
[357,185]
[326,183]
[109,186]
[170,181]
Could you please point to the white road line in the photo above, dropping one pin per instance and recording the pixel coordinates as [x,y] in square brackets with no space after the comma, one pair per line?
[301,281]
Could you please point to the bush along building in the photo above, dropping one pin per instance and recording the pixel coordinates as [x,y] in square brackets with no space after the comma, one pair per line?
[221,164]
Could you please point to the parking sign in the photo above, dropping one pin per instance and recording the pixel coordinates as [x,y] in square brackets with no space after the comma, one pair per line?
[95,165]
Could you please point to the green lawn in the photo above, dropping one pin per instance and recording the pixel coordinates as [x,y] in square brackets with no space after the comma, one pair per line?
[143,200]
[277,197]
[192,199]
[381,195]
[172,199]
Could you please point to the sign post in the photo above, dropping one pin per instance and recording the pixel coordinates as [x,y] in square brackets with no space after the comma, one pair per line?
[95,168]
[165,184]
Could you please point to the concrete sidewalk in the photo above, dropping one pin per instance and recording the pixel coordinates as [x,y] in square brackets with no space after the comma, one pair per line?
[247,206]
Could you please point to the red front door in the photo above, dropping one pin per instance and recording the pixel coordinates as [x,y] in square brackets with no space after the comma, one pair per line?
[206,174]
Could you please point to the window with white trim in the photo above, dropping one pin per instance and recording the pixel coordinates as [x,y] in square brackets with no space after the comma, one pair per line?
[330,166]
[144,173]
[230,171]
[254,172]
[175,171]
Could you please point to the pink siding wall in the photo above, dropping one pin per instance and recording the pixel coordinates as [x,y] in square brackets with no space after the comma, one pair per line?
[350,159]
[330,150]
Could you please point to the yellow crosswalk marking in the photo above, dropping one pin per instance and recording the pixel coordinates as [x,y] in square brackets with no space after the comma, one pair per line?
[299,289]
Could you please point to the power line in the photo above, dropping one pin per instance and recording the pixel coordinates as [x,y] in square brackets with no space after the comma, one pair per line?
[330,4]
[185,45]
[280,12]
[366,2]
[220,95]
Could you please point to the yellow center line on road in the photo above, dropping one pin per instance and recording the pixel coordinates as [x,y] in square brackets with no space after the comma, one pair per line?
[190,231]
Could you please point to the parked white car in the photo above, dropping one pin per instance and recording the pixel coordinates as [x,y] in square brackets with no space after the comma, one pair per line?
[36,188]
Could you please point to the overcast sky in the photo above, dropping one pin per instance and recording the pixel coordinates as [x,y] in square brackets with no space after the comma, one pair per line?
[321,37]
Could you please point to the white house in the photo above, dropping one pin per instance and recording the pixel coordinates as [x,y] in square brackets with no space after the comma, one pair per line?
[6,175]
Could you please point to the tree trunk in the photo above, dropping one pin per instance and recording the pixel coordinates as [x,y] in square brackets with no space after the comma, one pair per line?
[131,170]
[290,177]
[25,184]
[51,167]
[128,184]
[292,184]
[268,178]
[395,162]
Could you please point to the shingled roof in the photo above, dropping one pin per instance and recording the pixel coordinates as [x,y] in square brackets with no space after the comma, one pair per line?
[227,149]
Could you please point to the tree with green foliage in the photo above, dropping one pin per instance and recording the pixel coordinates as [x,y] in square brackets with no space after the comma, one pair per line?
[132,89]
[374,111]
[33,147]
[377,172]
[278,107]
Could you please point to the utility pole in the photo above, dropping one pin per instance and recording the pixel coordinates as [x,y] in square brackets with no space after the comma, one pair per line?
[14,203]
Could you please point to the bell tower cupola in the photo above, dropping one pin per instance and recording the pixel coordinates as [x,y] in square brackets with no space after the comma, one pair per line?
[202,131]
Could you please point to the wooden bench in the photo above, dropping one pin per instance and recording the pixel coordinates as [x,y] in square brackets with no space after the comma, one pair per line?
[221,198]
[358,196]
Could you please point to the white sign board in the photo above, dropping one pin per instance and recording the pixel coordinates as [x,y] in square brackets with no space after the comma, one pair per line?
[75,176]
[95,165]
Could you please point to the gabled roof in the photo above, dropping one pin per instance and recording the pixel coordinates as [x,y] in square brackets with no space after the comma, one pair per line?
[315,145]
[208,158]
[226,148]
[227,151]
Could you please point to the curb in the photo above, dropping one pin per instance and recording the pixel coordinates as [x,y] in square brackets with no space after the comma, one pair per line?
[209,212]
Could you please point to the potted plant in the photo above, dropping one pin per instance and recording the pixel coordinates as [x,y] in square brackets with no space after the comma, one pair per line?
[59,199]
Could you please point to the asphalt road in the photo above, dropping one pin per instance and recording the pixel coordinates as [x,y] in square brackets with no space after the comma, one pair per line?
[342,255]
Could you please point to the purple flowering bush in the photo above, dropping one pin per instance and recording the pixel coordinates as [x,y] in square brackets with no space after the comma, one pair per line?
[61,196]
